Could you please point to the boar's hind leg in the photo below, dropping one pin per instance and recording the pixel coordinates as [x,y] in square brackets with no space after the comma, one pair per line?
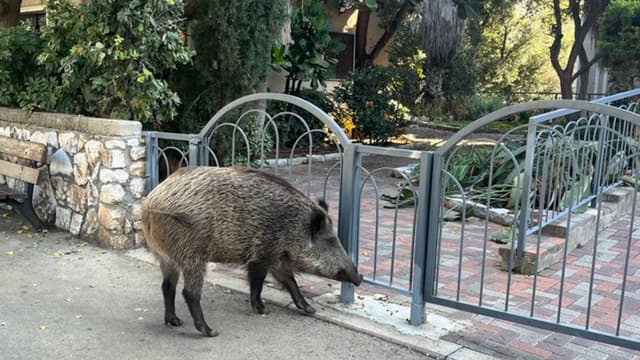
[193,279]
[257,273]
[285,276]
[170,275]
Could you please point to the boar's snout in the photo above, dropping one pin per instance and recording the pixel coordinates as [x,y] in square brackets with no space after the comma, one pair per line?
[350,275]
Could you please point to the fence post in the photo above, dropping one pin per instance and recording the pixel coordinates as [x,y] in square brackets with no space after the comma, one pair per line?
[348,218]
[151,144]
[418,315]
[194,146]
[523,221]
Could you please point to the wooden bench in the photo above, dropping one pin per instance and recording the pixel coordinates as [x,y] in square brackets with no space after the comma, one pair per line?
[21,160]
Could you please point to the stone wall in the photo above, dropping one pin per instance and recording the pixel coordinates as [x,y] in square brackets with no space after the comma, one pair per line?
[94,180]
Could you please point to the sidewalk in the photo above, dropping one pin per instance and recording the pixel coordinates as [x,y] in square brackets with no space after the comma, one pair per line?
[62,299]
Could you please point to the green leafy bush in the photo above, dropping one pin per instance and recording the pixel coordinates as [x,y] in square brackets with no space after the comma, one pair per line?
[109,58]
[291,128]
[232,41]
[377,101]
[619,40]
[19,48]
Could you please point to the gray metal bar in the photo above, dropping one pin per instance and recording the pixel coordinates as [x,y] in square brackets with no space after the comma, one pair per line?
[525,199]
[172,136]
[348,220]
[539,323]
[626,258]
[377,150]
[604,100]
[194,146]
[433,237]
[420,259]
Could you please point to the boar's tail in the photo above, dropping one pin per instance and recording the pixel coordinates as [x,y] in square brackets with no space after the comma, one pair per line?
[180,217]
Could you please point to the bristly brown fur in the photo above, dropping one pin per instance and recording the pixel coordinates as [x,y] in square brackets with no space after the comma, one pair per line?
[243,216]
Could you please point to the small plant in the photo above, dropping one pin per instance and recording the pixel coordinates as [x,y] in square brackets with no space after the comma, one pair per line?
[310,56]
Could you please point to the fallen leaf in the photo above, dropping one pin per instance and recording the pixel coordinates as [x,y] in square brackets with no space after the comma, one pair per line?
[43,327]
[381,297]
[57,254]
[10,253]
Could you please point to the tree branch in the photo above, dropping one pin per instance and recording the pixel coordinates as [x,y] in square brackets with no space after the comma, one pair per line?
[554,49]
[390,30]
[586,67]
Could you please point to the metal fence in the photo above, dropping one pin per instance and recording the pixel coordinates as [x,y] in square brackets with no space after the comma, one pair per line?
[558,270]
[427,232]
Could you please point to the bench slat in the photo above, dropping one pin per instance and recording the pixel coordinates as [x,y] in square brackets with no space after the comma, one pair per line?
[20,172]
[8,193]
[24,149]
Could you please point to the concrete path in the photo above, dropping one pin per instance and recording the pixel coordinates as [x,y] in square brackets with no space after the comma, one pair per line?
[63,299]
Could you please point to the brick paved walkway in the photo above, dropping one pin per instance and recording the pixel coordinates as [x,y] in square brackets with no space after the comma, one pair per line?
[492,336]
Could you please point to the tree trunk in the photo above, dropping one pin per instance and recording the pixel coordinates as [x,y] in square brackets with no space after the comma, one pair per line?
[9,12]
[565,85]
[433,84]
[362,29]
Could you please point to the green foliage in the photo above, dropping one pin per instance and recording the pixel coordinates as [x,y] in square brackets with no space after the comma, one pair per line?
[19,48]
[508,41]
[310,56]
[619,40]
[290,128]
[109,58]
[233,42]
[377,100]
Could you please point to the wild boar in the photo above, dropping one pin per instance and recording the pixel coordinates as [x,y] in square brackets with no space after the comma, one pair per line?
[243,216]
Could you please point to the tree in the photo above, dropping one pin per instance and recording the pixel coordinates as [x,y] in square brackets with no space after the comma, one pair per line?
[9,12]
[507,42]
[439,33]
[233,42]
[584,16]
[619,41]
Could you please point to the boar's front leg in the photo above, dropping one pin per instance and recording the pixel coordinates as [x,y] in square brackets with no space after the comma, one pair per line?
[170,275]
[257,273]
[285,276]
[193,279]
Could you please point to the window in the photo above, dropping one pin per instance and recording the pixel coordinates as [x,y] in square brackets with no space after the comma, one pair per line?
[33,20]
[346,59]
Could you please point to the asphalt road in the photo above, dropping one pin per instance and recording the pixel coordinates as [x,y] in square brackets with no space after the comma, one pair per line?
[63,299]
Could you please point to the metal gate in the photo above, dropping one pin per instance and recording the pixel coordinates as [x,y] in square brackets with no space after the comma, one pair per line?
[572,163]
[571,259]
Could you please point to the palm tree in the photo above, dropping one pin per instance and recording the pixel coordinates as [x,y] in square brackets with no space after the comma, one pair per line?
[439,31]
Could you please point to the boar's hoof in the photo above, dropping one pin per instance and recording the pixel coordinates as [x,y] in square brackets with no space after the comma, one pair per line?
[308,309]
[172,320]
[206,330]
[260,309]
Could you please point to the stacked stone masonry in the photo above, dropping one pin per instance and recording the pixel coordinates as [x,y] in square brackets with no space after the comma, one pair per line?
[95,175]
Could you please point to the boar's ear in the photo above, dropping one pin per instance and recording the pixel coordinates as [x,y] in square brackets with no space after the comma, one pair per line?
[323,205]
[317,222]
